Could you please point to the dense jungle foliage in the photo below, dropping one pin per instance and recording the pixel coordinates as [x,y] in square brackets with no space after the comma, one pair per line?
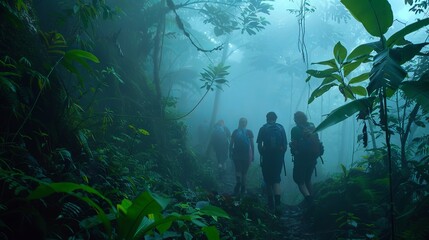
[91,146]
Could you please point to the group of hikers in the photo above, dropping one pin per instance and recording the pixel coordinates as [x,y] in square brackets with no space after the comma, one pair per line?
[272,144]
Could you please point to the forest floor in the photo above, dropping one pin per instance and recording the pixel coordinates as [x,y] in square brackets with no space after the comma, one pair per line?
[294,225]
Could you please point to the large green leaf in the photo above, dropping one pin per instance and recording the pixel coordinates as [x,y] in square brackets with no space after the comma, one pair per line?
[375,15]
[161,223]
[47,189]
[321,74]
[349,67]
[386,72]
[361,52]
[211,233]
[44,190]
[398,37]
[340,52]
[331,79]
[81,54]
[358,90]
[320,91]
[360,78]
[213,211]
[330,62]
[346,111]
[131,216]
[408,52]
[418,90]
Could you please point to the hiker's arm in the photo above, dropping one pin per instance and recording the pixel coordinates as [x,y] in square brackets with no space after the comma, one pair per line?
[231,145]
[294,141]
[285,140]
[259,141]
[252,145]
[260,150]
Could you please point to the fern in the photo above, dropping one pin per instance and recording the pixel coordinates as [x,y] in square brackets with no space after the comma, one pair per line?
[70,210]
[54,42]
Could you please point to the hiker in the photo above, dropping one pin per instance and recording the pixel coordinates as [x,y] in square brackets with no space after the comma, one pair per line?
[305,148]
[272,145]
[241,150]
[219,141]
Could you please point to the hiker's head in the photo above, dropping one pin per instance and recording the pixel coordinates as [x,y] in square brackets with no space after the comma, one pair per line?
[220,123]
[242,123]
[300,118]
[271,117]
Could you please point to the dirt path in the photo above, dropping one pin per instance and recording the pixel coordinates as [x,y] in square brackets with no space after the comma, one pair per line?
[296,226]
[293,225]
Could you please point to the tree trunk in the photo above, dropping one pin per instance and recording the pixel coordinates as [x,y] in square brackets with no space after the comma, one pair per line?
[404,137]
[158,120]
[372,133]
[218,91]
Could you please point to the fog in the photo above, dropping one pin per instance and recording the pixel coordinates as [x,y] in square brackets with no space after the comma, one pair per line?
[268,72]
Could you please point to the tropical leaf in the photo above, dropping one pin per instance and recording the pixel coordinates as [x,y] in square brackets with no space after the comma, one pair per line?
[418,90]
[130,216]
[75,54]
[340,53]
[158,221]
[330,62]
[361,52]
[385,72]
[359,78]
[213,211]
[358,90]
[321,74]
[211,232]
[346,111]
[349,67]
[398,37]
[44,190]
[375,15]
[331,79]
[408,52]
[7,83]
[320,91]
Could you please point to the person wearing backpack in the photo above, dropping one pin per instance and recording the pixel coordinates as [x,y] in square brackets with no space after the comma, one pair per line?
[272,145]
[219,141]
[241,149]
[305,148]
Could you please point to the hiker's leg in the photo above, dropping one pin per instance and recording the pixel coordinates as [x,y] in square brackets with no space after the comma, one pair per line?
[277,194]
[218,157]
[238,176]
[270,195]
[309,186]
[307,178]
[303,189]
[238,185]
[243,182]
[244,171]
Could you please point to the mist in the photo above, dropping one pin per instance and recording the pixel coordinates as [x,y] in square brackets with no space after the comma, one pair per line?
[109,109]
[268,73]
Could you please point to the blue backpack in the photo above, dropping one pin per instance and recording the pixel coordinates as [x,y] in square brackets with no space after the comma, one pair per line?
[241,142]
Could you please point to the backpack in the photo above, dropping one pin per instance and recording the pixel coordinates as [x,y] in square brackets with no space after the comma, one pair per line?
[241,142]
[310,141]
[274,138]
[219,135]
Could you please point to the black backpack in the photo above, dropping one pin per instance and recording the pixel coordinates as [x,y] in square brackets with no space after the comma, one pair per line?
[274,141]
[310,141]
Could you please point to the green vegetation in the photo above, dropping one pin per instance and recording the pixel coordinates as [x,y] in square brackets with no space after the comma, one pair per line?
[92,147]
